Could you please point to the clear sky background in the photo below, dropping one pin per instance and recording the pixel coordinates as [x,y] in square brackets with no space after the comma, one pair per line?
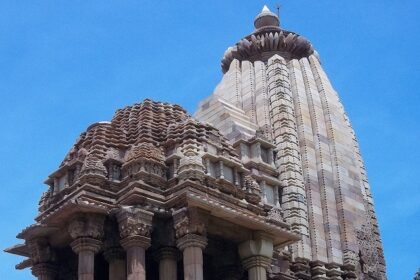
[67,64]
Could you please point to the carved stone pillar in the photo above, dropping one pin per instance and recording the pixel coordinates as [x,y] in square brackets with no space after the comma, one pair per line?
[192,246]
[257,267]
[42,258]
[114,254]
[117,266]
[167,258]
[256,255]
[135,226]
[190,232]
[44,271]
[87,232]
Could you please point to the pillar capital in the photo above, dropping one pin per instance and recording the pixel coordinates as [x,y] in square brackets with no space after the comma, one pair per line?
[82,244]
[189,221]
[45,271]
[87,225]
[256,261]
[133,221]
[135,241]
[260,245]
[256,255]
[40,250]
[191,240]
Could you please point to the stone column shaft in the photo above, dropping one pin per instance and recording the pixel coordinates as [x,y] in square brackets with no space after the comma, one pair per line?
[117,265]
[134,227]
[192,246]
[86,248]
[257,273]
[117,270]
[136,263]
[257,267]
[87,231]
[44,271]
[167,258]
[86,265]
[193,263]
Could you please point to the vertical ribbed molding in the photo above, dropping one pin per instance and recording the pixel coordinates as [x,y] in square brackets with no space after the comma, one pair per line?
[324,169]
[308,153]
[230,86]
[288,160]
[261,99]
[370,244]
[324,165]
[248,89]
[350,206]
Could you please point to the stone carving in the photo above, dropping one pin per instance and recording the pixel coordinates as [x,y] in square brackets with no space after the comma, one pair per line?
[275,215]
[44,201]
[253,190]
[87,226]
[40,250]
[188,221]
[191,165]
[134,222]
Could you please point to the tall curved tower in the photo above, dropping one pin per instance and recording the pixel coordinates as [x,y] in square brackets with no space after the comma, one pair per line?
[274,86]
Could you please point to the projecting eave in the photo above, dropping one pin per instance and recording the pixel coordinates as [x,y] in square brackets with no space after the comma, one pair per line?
[18,249]
[259,45]
[235,215]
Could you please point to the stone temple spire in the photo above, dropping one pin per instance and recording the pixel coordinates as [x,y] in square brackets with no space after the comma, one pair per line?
[266,19]
[274,83]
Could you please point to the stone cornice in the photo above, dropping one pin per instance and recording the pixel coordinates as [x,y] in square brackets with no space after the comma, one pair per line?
[253,46]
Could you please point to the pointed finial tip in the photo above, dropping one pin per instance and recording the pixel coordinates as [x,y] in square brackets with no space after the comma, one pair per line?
[265,9]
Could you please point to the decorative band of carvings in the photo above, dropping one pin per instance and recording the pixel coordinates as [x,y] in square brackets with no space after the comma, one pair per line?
[256,261]
[166,253]
[191,240]
[82,244]
[135,241]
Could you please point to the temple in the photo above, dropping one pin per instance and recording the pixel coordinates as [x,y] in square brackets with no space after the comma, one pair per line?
[266,181]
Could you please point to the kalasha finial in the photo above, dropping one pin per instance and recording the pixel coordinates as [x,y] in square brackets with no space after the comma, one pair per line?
[266,18]
[265,9]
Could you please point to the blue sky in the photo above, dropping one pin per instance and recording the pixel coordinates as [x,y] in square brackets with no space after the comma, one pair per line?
[67,64]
